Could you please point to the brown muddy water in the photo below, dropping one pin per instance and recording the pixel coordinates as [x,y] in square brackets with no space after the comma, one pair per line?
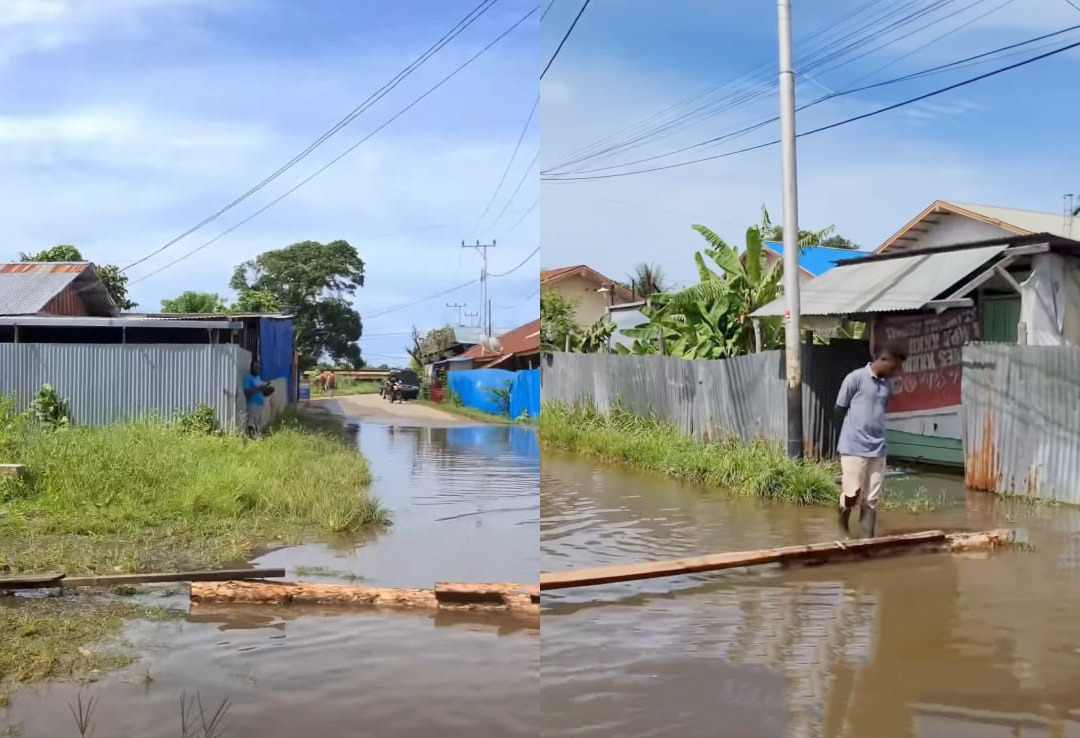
[466,508]
[932,646]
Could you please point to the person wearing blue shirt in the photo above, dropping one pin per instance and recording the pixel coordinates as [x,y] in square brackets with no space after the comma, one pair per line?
[255,392]
[860,407]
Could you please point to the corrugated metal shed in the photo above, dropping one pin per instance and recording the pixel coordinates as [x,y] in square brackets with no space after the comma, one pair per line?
[110,383]
[28,288]
[906,282]
[1022,420]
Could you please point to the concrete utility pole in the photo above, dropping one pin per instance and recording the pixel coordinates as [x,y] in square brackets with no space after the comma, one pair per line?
[485,319]
[470,316]
[458,306]
[792,343]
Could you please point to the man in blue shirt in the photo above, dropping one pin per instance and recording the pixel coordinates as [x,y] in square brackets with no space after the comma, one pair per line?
[255,392]
[861,404]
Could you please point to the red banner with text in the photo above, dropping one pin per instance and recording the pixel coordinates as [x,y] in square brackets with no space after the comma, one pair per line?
[931,375]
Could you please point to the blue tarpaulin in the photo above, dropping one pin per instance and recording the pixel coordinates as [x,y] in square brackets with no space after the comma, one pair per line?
[525,394]
[276,351]
[475,388]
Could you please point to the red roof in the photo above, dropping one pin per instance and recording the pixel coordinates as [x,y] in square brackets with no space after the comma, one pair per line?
[522,341]
[551,276]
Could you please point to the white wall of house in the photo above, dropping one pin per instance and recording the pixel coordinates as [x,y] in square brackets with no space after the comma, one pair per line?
[591,305]
[950,230]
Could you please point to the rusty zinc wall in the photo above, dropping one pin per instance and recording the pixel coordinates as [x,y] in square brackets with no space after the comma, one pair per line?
[1021,408]
[109,383]
[743,396]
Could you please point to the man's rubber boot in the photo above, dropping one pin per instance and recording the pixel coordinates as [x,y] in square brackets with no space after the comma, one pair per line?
[867,518]
[845,514]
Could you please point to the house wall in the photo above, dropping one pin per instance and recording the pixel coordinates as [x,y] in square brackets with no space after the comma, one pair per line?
[68,303]
[111,383]
[951,230]
[591,305]
[771,258]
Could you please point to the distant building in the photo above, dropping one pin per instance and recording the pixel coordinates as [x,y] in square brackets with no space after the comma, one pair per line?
[813,260]
[591,291]
[518,349]
[54,288]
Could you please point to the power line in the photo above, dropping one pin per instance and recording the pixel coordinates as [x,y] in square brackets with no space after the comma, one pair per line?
[950,66]
[410,303]
[565,36]
[513,155]
[523,263]
[524,176]
[449,36]
[347,151]
[523,216]
[546,10]
[821,129]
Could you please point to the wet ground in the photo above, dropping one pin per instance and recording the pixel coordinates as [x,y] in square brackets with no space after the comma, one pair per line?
[929,646]
[466,506]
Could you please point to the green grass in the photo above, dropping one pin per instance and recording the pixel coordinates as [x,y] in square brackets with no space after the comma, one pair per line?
[346,386]
[756,470]
[147,496]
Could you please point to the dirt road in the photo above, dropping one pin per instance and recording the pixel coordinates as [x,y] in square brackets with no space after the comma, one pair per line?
[373,407]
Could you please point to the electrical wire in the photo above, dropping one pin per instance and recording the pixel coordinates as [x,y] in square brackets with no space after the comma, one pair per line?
[525,261]
[853,119]
[347,151]
[524,176]
[420,300]
[546,10]
[523,216]
[513,155]
[564,38]
[449,36]
[950,66]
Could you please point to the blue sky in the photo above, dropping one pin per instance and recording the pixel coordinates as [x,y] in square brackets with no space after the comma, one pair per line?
[124,122]
[1007,141]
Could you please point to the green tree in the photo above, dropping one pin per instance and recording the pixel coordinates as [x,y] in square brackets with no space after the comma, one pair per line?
[768,231]
[115,281]
[557,322]
[255,301]
[194,302]
[839,242]
[648,279]
[315,282]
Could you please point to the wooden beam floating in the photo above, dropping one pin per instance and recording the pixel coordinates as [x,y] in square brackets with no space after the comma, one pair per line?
[11,470]
[486,597]
[47,581]
[814,553]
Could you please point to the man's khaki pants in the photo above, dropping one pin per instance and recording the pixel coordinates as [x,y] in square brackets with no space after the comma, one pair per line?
[863,480]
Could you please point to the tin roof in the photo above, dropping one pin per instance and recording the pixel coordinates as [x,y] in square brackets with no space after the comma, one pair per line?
[523,340]
[27,287]
[878,285]
[816,260]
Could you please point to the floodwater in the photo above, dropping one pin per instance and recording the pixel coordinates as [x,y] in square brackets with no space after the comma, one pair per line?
[934,646]
[466,508]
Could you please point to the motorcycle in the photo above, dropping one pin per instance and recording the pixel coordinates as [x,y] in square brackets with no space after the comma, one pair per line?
[395,393]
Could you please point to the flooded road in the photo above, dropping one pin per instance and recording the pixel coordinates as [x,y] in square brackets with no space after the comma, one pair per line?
[931,646]
[465,502]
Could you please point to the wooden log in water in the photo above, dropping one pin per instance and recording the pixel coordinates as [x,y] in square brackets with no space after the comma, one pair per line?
[814,553]
[507,597]
[220,575]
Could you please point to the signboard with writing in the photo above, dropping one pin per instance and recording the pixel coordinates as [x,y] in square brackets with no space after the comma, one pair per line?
[931,375]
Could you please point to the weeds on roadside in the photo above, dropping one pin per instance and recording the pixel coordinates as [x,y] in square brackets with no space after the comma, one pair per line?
[195,721]
[757,469]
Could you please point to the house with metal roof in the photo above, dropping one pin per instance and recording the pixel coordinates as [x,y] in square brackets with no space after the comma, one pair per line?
[936,299]
[813,260]
[590,291]
[54,288]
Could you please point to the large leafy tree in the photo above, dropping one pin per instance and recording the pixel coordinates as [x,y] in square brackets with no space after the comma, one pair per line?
[115,281]
[194,302]
[316,283]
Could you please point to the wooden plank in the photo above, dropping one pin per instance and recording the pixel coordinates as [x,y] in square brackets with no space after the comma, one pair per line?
[11,470]
[223,575]
[455,592]
[737,559]
[31,581]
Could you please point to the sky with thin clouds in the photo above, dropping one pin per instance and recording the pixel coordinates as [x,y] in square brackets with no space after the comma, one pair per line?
[126,122]
[1008,140]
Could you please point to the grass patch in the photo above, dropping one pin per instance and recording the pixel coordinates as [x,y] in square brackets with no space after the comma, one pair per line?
[148,496]
[474,414]
[64,637]
[327,573]
[346,386]
[756,470]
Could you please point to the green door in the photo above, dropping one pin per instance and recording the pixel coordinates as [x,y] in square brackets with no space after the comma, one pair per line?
[998,318]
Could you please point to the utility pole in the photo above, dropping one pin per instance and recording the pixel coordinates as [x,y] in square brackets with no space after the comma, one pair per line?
[485,320]
[792,343]
[470,316]
[458,306]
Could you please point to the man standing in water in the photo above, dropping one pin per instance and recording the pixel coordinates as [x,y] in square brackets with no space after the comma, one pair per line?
[255,392]
[860,407]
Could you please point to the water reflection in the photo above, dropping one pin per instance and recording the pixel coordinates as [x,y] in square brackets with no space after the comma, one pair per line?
[921,646]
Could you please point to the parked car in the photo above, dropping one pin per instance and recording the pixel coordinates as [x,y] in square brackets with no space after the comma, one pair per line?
[409,382]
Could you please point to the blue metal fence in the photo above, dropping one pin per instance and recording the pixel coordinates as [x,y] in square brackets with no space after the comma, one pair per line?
[478,389]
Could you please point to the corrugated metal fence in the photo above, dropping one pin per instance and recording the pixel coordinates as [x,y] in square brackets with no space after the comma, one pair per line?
[1022,420]
[113,382]
[743,396]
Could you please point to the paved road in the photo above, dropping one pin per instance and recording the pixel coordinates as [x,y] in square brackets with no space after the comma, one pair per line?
[373,407]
